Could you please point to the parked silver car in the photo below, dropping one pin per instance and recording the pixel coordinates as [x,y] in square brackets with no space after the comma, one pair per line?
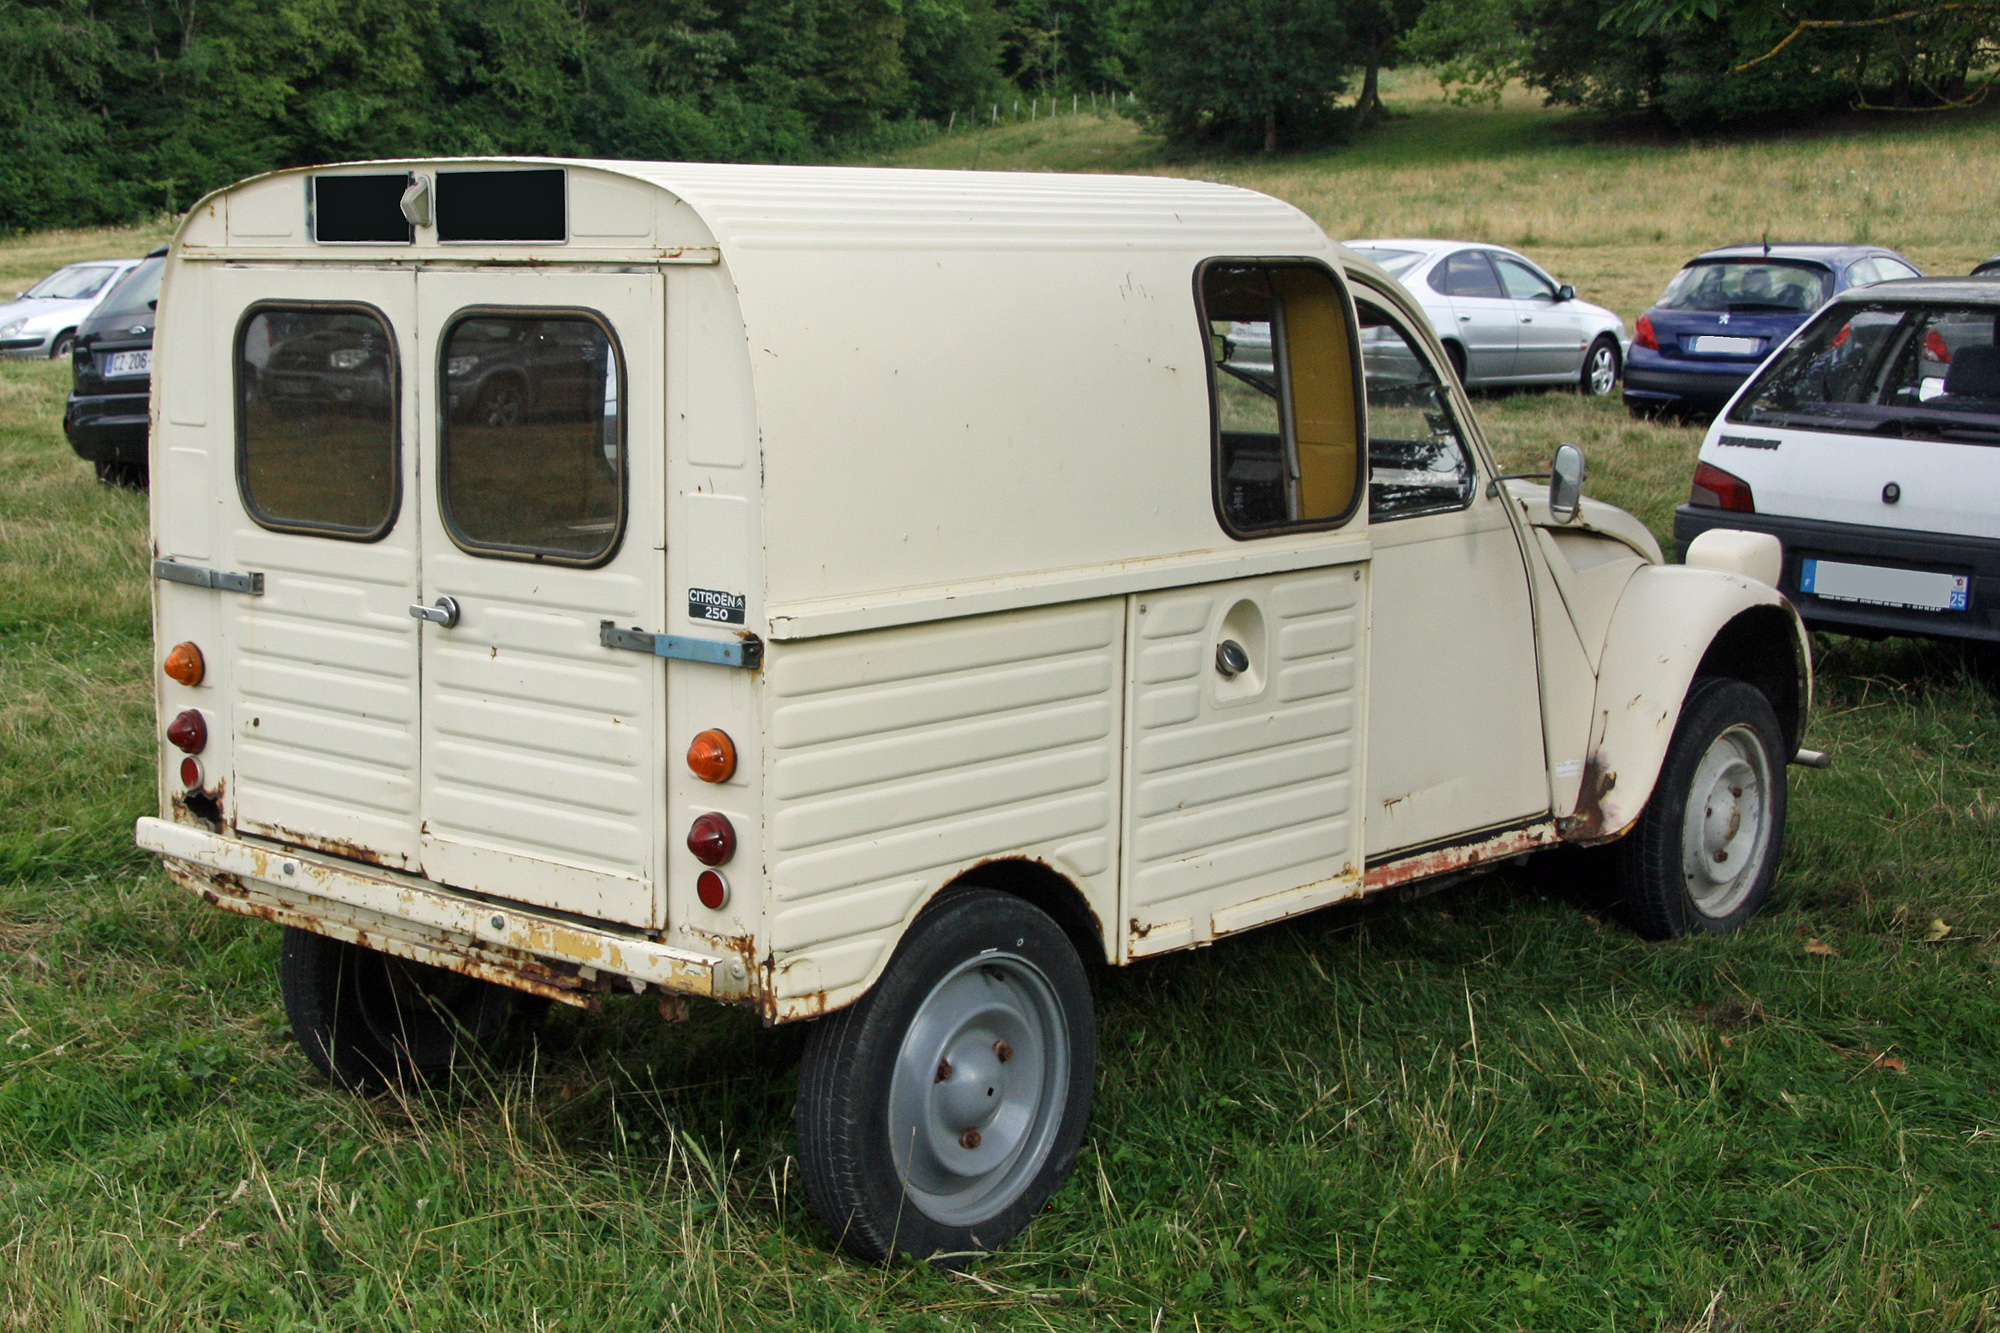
[1502,319]
[42,321]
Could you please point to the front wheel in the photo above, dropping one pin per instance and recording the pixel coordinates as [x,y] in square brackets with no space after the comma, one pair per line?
[938,1113]
[62,345]
[368,1020]
[1600,368]
[1706,850]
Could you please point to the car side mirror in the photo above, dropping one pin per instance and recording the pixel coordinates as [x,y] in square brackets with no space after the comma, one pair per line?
[1565,293]
[1566,476]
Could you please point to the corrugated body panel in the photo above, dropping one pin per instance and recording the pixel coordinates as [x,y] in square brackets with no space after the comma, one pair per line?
[901,757]
[1241,788]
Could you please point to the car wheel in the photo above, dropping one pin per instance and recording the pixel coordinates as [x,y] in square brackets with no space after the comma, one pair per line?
[129,476]
[1456,354]
[62,344]
[368,1020]
[1600,369]
[938,1113]
[1706,849]
[500,404]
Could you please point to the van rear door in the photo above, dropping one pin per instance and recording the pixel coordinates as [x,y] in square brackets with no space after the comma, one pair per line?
[543,778]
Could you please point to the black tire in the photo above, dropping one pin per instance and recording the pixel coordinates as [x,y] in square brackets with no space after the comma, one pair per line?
[1456,355]
[1728,751]
[62,344]
[368,1020]
[959,1038]
[129,476]
[1599,376]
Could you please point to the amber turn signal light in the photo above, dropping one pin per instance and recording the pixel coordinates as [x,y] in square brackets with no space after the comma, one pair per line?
[184,664]
[712,756]
[712,889]
[189,731]
[712,839]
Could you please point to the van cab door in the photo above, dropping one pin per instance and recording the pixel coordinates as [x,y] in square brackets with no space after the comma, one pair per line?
[541,520]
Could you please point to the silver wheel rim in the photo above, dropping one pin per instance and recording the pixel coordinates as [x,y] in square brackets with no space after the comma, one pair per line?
[978,1090]
[1603,371]
[1726,829]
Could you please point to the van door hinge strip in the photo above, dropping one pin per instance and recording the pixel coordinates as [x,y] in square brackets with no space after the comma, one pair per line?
[197,577]
[746,652]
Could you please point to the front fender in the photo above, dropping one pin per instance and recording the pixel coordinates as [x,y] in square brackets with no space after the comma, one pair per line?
[1672,623]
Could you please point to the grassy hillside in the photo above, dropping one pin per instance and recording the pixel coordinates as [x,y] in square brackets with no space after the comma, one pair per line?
[1485,1110]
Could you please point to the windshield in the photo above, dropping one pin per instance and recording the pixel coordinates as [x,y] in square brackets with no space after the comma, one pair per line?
[1398,262]
[1748,284]
[75,283]
[1920,372]
[134,297]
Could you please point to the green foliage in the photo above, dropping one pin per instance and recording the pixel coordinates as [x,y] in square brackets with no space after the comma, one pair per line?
[1244,73]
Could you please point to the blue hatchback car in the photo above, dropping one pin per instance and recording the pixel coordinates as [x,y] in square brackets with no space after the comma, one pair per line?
[1726,309]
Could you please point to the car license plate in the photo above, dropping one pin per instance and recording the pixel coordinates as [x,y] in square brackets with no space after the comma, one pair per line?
[129,363]
[1710,342]
[1876,586]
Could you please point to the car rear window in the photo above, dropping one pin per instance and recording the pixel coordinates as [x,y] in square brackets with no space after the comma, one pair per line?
[1923,372]
[134,297]
[1398,262]
[316,407]
[1748,285]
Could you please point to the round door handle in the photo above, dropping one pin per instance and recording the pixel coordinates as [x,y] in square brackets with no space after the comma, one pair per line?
[1891,493]
[1230,659]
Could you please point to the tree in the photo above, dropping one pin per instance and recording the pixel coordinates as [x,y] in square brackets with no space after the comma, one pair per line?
[1243,72]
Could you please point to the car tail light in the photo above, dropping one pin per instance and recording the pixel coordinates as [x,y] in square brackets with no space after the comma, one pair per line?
[712,756]
[1642,333]
[1721,490]
[712,889]
[189,731]
[184,664]
[191,773]
[1934,348]
[712,839]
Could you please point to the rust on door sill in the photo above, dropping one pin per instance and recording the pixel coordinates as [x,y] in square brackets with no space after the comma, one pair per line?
[1463,857]
[1587,824]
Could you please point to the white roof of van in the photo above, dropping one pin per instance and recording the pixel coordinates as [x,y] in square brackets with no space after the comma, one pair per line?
[775,207]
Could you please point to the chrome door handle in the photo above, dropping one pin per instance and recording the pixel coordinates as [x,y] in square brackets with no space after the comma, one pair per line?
[1527,319]
[445,613]
[1465,319]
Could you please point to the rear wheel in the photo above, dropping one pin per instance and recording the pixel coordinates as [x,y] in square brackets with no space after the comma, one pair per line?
[1706,850]
[368,1020]
[1456,354]
[130,476]
[938,1113]
[1600,368]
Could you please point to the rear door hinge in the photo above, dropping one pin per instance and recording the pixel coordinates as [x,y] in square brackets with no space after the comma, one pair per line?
[195,576]
[746,652]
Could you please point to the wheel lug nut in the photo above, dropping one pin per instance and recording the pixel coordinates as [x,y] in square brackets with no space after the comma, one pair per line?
[1003,1050]
[943,1071]
[969,1139]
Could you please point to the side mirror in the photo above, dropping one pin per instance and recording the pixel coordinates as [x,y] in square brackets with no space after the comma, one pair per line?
[1566,476]
[1565,293]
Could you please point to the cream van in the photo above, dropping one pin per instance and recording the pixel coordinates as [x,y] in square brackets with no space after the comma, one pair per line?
[875,598]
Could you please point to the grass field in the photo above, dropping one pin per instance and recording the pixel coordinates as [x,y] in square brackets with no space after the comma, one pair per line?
[1481,1110]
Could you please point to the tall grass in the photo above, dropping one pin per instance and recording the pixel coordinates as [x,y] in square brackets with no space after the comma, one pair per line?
[1485,1109]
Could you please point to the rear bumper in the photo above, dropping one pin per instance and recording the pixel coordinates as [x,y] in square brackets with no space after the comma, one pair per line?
[416,919]
[1652,383]
[107,428]
[1895,548]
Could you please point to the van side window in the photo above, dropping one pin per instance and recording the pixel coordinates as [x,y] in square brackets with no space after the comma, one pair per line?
[1282,374]
[531,448]
[317,400]
[1417,462]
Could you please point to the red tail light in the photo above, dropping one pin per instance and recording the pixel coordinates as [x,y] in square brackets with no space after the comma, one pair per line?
[712,889]
[191,773]
[712,839]
[1721,490]
[1934,348]
[1642,333]
[189,731]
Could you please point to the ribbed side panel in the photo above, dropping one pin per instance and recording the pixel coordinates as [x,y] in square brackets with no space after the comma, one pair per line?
[1241,788]
[901,757]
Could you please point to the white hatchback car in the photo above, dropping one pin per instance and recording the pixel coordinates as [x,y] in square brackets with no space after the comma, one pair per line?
[1867,446]
[1502,320]
[43,320]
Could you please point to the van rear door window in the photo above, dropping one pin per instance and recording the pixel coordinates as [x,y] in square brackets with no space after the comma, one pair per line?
[1287,418]
[316,409]
[359,209]
[531,453]
[502,205]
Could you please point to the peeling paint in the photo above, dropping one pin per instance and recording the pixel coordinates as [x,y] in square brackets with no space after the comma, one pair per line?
[1454,860]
